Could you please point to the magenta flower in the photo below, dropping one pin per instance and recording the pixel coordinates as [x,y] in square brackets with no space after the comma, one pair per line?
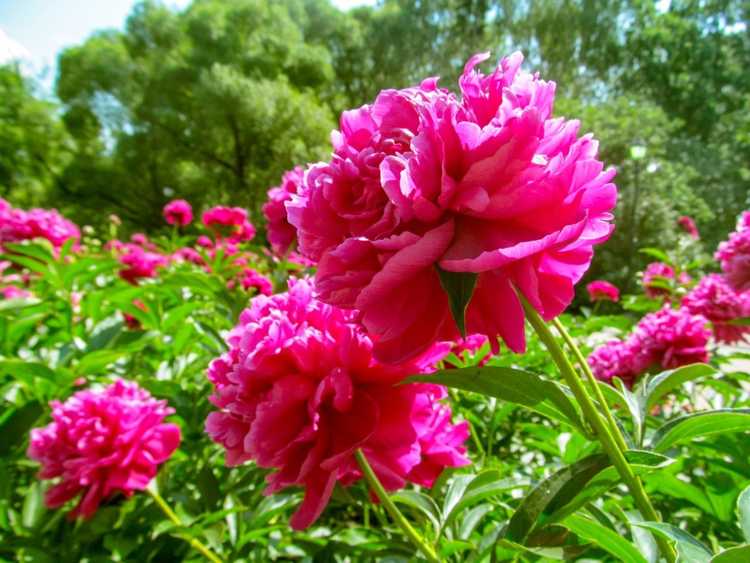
[140,263]
[103,442]
[17,225]
[178,212]
[670,338]
[252,279]
[13,292]
[716,300]
[281,234]
[734,255]
[616,359]
[488,184]
[688,225]
[188,254]
[658,279]
[299,392]
[600,290]
[231,222]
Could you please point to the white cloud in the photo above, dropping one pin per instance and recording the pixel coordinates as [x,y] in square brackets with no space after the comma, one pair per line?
[11,50]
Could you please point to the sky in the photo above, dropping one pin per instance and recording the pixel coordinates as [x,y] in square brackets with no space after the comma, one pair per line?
[37,30]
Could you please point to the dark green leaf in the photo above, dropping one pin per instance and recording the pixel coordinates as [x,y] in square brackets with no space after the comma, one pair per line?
[610,541]
[659,385]
[743,512]
[739,554]
[460,287]
[700,424]
[689,549]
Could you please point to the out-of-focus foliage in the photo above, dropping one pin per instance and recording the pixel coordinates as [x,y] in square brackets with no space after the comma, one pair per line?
[215,101]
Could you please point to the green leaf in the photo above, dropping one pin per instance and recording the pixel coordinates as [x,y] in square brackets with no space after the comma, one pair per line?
[15,424]
[743,512]
[422,503]
[744,321]
[698,425]
[739,554]
[33,505]
[656,387]
[610,541]
[460,287]
[96,361]
[689,549]
[485,485]
[656,253]
[552,493]
[513,385]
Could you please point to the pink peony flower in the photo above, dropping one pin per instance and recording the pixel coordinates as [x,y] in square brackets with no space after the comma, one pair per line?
[252,279]
[281,234]
[487,183]
[13,292]
[671,338]
[232,219]
[103,442]
[600,290]
[616,359]
[140,263]
[657,275]
[715,299]
[688,225]
[178,212]
[204,242]
[187,254]
[734,255]
[17,225]
[299,392]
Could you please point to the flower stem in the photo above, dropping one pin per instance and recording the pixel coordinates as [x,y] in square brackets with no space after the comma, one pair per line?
[172,516]
[606,439]
[392,509]
[613,427]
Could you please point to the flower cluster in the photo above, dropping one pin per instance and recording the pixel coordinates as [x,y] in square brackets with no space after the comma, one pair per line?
[716,300]
[17,225]
[281,234]
[486,185]
[178,212]
[665,339]
[734,255]
[600,290]
[103,442]
[299,392]
[658,279]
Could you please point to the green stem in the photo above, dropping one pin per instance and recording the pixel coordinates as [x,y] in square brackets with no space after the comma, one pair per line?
[393,510]
[608,442]
[594,384]
[172,515]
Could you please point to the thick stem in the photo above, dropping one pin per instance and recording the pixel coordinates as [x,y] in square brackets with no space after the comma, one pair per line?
[608,442]
[393,510]
[613,427]
[172,515]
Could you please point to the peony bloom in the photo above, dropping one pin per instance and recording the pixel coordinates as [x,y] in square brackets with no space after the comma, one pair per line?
[688,225]
[178,212]
[252,279]
[281,234]
[13,292]
[488,183]
[17,225]
[658,278]
[734,255]
[232,220]
[671,338]
[204,242]
[600,290]
[140,263]
[616,359]
[103,442]
[188,254]
[715,299]
[299,392]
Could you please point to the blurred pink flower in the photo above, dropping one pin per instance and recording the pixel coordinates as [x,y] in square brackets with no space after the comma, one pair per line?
[188,254]
[657,275]
[13,292]
[140,263]
[251,278]
[299,392]
[600,290]
[486,184]
[715,299]
[616,359]
[688,225]
[281,234]
[734,255]
[229,222]
[178,212]
[101,442]
[671,338]
[17,225]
